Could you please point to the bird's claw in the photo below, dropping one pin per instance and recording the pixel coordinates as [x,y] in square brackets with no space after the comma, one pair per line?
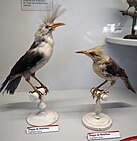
[38,87]
[46,89]
[40,94]
[97,93]
[35,90]
[31,92]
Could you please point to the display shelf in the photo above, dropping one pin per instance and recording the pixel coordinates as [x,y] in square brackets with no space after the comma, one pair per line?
[121,41]
[71,106]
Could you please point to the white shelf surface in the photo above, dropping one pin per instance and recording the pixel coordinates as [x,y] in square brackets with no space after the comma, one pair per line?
[71,105]
[121,41]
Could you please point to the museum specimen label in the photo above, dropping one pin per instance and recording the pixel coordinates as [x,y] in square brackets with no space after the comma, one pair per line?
[42,129]
[36,5]
[103,135]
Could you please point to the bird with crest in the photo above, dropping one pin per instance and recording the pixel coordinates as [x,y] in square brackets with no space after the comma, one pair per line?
[37,56]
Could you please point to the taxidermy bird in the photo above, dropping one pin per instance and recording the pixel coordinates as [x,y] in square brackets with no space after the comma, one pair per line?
[132,3]
[36,57]
[105,67]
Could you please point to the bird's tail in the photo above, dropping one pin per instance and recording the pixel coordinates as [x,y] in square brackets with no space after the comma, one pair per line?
[128,84]
[5,83]
[10,84]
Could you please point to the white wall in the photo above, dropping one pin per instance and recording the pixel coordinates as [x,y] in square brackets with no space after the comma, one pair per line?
[84,22]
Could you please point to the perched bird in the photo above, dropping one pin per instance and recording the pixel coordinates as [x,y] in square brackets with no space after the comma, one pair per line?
[105,67]
[132,3]
[36,57]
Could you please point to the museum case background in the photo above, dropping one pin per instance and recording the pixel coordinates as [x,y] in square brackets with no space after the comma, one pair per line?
[84,29]
[85,24]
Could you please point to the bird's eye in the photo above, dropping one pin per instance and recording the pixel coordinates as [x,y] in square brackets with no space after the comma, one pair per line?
[93,53]
[47,26]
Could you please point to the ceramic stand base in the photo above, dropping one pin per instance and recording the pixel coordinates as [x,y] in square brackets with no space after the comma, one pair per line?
[42,119]
[93,122]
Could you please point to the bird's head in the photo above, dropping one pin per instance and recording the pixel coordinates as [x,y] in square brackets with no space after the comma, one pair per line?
[49,24]
[95,54]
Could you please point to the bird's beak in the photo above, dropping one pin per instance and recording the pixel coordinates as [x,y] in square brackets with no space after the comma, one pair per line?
[56,25]
[82,51]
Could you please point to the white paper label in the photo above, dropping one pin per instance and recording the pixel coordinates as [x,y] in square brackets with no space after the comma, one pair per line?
[103,135]
[42,129]
[36,5]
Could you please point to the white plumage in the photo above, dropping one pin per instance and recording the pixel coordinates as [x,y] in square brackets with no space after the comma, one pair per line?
[45,48]
[37,56]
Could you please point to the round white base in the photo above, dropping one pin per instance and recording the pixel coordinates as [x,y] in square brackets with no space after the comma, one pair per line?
[42,119]
[95,123]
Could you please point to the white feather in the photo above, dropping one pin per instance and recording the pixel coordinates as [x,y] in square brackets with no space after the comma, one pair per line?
[46,48]
[52,15]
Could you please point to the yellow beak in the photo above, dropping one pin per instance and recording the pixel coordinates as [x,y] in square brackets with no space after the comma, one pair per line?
[56,25]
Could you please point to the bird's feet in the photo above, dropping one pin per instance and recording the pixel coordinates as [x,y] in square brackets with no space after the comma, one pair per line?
[98,93]
[40,94]
[95,91]
[45,88]
[38,91]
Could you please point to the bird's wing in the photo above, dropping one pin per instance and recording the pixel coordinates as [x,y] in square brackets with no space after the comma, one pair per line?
[26,62]
[114,69]
[37,42]
[34,45]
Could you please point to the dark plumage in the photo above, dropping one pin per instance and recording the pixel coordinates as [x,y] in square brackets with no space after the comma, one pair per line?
[25,63]
[113,69]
